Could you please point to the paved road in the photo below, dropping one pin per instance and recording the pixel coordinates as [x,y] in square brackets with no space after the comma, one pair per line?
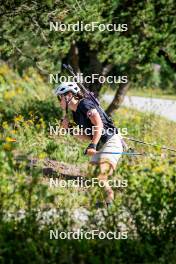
[163,107]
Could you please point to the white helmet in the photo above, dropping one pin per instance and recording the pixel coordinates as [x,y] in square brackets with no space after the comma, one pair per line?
[67,87]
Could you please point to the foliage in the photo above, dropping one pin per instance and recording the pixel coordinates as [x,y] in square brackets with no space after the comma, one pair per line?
[150,39]
[29,208]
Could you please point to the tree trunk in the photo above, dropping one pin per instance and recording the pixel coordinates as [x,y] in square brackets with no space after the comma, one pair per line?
[74,57]
[95,66]
[90,64]
[118,98]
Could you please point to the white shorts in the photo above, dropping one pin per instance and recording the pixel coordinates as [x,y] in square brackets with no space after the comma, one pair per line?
[114,144]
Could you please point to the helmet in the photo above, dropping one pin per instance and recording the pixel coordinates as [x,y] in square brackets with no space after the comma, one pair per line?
[67,87]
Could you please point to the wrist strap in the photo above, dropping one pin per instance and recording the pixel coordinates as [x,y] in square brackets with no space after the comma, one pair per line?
[92,145]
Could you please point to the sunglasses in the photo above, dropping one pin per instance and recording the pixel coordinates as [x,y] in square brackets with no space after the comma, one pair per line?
[59,97]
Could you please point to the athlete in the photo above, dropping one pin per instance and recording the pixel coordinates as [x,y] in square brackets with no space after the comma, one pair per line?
[98,130]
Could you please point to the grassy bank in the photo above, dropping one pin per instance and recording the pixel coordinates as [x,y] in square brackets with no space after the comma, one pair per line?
[155,93]
[148,92]
[28,108]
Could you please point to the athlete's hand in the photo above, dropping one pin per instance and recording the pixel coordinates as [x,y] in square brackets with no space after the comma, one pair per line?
[65,123]
[91,151]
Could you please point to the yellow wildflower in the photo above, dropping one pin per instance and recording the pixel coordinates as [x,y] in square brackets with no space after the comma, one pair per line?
[42,155]
[13,131]
[26,78]
[4,69]
[9,94]
[159,169]
[18,118]
[7,146]
[30,122]
[19,90]
[9,139]
[5,125]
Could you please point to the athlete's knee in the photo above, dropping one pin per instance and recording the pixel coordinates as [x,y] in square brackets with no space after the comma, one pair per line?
[106,168]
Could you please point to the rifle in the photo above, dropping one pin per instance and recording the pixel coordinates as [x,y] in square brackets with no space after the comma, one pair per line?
[88,94]
[96,101]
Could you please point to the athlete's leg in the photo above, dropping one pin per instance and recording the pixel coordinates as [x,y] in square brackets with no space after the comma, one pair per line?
[106,170]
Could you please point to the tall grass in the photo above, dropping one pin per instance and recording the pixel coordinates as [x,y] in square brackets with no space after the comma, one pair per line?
[29,208]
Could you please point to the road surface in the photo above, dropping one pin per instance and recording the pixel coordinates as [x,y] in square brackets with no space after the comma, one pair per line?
[163,107]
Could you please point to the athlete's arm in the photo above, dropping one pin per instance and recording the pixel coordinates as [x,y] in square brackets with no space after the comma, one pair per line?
[98,125]
[95,119]
[82,137]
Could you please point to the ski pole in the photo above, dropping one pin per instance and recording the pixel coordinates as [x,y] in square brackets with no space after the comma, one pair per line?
[129,153]
[149,144]
[88,93]
[122,153]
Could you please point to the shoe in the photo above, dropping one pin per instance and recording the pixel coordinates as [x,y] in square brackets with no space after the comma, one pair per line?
[99,205]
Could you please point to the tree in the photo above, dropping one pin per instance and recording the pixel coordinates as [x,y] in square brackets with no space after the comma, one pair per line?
[27,40]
